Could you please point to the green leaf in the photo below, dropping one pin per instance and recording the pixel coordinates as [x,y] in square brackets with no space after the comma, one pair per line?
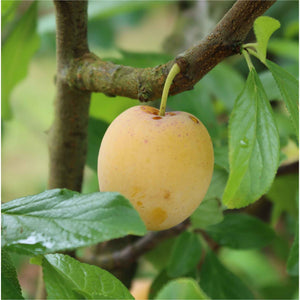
[220,283]
[284,48]
[269,85]
[185,254]
[210,211]
[160,280]
[60,219]
[253,146]
[221,157]
[160,255]
[8,9]
[284,187]
[241,231]
[263,28]
[293,259]
[17,52]
[197,102]
[67,278]
[182,288]
[225,83]
[289,89]
[10,287]
[96,131]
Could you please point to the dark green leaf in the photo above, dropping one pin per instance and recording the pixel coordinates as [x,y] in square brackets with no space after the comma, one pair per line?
[225,83]
[197,102]
[10,287]
[220,283]
[209,212]
[283,194]
[60,219]
[17,51]
[185,254]
[253,146]
[67,278]
[221,157]
[160,280]
[289,89]
[264,27]
[293,260]
[160,255]
[241,231]
[182,288]
[96,132]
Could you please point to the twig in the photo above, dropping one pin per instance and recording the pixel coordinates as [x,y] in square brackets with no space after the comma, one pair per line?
[90,73]
[288,169]
[130,254]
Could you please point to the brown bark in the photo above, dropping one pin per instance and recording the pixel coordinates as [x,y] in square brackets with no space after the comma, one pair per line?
[90,73]
[68,135]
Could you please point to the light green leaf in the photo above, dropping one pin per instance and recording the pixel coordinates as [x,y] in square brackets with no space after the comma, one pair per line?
[289,89]
[182,288]
[185,255]
[264,27]
[293,259]
[241,231]
[253,146]
[220,283]
[96,131]
[8,9]
[17,52]
[10,287]
[67,278]
[60,219]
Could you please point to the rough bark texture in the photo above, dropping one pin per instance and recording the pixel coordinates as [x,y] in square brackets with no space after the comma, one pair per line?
[90,73]
[68,135]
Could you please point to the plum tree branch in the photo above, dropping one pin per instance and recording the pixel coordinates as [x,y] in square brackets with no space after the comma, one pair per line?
[129,254]
[90,73]
[68,134]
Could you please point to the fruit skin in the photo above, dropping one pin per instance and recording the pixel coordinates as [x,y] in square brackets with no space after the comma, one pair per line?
[163,165]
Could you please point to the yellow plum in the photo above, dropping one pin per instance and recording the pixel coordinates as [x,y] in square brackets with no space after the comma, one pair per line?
[162,164]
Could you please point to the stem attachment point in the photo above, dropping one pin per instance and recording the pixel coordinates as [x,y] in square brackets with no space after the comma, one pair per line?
[173,72]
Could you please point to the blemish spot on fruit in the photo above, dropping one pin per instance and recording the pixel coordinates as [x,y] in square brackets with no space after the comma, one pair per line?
[156,118]
[193,119]
[171,114]
[158,215]
[139,203]
[145,141]
[135,190]
[150,110]
[167,194]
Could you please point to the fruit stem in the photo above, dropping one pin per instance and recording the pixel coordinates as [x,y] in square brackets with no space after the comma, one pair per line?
[173,72]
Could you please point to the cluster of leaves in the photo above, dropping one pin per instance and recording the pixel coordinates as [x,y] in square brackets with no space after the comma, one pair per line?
[245,167]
